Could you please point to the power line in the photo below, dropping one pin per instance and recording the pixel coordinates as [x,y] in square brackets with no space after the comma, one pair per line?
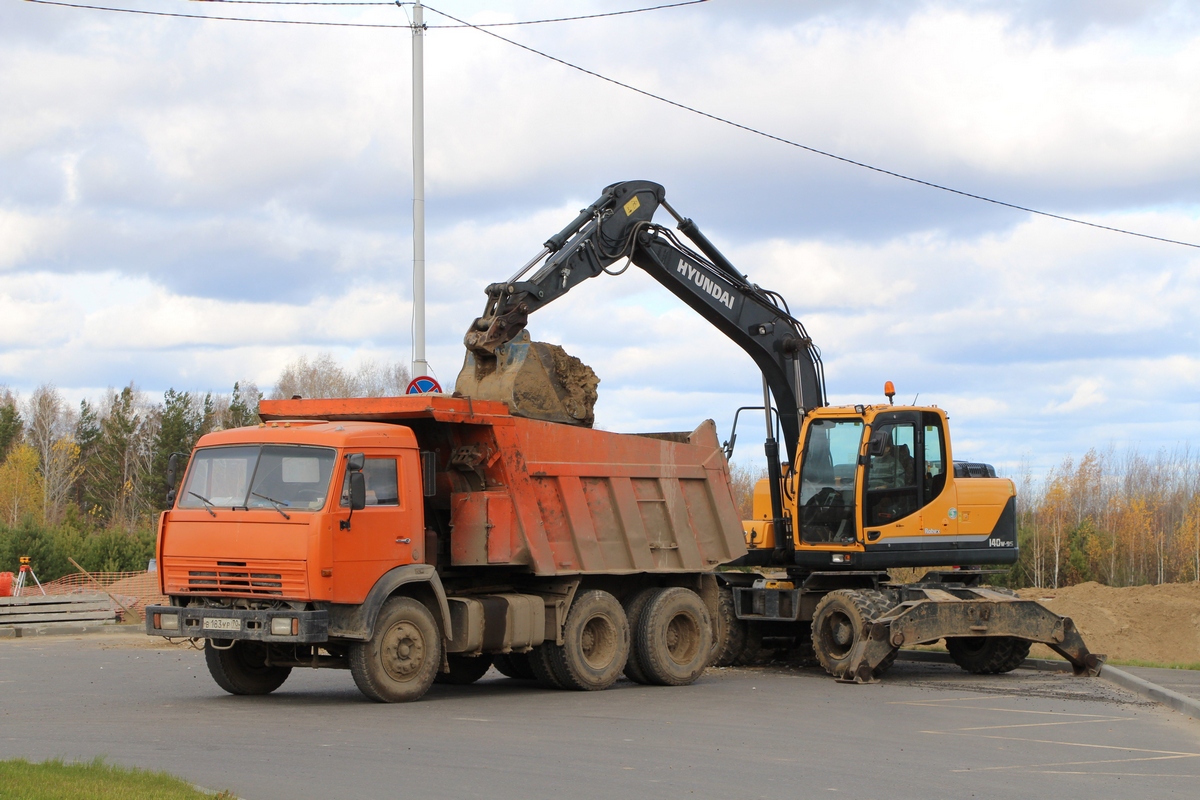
[565,19]
[479,25]
[221,19]
[810,149]
[615,82]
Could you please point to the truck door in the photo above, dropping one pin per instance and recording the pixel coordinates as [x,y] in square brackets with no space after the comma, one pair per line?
[380,536]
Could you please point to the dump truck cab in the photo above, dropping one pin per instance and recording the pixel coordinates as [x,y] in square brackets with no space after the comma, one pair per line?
[874,487]
[275,503]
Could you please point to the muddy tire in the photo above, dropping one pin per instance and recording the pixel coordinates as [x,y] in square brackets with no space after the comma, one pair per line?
[464,670]
[242,669]
[541,664]
[404,654]
[988,655]
[729,632]
[514,665]
[634,611]
[753,652]
[674,637]
[840,621]
[595,644]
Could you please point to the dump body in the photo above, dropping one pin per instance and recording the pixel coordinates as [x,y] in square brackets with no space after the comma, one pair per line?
[554,499]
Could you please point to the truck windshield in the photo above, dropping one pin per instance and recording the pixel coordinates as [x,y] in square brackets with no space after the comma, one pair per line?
[259,476]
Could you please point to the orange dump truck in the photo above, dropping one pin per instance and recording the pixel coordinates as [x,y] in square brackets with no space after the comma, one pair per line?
[427,538]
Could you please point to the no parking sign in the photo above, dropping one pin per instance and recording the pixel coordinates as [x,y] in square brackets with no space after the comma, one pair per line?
[423,385]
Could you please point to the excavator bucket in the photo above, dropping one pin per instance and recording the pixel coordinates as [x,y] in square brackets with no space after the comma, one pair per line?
[535,379]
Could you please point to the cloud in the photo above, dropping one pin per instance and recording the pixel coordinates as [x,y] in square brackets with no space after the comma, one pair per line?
[188,204]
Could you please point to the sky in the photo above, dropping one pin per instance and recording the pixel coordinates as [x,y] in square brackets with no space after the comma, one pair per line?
[188,203]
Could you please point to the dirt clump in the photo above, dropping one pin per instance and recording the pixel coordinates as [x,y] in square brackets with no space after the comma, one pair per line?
[1146,623]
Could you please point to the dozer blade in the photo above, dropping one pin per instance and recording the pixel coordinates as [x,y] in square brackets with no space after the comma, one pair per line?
[935,613]
[535,379]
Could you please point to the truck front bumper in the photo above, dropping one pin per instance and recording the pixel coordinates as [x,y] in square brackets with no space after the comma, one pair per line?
[276,626]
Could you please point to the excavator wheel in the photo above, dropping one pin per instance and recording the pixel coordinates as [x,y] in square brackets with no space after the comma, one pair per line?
[729,632]
[988,655]
[840,621]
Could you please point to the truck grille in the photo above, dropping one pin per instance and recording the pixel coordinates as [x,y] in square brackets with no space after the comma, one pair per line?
[257,578]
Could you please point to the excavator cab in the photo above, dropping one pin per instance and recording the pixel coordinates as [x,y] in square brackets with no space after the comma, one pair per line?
[874,487]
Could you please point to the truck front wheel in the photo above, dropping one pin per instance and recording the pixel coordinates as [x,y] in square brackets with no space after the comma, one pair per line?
[402,658]
[242,668]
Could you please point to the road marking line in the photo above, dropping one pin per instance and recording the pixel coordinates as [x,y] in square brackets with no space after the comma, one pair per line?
[1069,744]
[1073,763]
[1009,710]
[1124,774]
[1047,724]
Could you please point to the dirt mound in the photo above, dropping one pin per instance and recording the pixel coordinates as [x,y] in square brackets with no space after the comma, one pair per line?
[1150,623]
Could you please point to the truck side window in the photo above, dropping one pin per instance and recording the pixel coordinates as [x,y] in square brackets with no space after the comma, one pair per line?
[382,484]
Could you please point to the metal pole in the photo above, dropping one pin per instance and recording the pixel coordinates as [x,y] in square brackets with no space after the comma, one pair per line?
[419,366]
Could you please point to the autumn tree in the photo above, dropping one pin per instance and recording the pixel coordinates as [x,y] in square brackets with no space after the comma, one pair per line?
[10,421]
[20,486]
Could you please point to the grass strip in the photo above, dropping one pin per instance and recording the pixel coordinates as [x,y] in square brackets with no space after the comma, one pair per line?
[96,780]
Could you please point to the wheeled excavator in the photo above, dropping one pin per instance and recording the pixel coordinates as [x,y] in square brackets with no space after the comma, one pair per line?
[859,489]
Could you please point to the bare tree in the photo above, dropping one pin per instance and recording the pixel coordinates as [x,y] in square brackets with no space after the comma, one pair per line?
[323,376]
[50,430]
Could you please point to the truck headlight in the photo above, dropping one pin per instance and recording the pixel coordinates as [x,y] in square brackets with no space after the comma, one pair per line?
[166,622]
[284,626]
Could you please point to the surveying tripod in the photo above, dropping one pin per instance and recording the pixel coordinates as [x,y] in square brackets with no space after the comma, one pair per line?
[26,569]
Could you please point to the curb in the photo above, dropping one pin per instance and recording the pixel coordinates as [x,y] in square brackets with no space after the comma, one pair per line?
[1140,686]
[1171,699]
[34,631]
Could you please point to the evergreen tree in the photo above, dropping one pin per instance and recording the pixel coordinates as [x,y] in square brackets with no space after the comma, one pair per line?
[243,406]
[87,436]
[179,427]
[10,425]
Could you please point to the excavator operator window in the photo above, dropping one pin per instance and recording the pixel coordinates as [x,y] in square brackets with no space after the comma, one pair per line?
[827,480]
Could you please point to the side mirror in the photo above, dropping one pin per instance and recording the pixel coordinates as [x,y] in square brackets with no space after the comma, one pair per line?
[355,462]
[878,442]
[358,491]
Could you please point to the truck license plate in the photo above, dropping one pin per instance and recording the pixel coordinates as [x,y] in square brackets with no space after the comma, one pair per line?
[222,624]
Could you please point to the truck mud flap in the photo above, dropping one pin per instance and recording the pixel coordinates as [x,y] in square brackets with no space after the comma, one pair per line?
[937,614]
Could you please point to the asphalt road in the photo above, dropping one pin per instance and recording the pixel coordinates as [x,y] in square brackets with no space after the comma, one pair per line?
[927,731]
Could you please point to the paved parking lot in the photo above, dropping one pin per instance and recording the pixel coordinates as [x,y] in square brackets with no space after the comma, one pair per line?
[927,731]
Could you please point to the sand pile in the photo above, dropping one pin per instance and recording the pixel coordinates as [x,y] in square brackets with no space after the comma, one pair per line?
[1150,623]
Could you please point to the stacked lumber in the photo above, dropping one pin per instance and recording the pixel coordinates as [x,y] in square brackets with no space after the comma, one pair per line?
[54,610]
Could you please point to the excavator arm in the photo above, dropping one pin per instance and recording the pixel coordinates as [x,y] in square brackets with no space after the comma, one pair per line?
[619,226]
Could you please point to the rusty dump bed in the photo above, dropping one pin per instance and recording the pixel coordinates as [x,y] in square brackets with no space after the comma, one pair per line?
[557,499]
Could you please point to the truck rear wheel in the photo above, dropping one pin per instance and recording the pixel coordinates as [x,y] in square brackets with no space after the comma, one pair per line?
[243,669]
[634,610]
[464,670]
[729,632]
[595,643]
[674,637]
[542,667]
[514,665]
[403,656]
[840,621]
[988,655]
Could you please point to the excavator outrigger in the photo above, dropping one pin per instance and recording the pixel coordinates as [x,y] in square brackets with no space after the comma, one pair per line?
[864,488]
